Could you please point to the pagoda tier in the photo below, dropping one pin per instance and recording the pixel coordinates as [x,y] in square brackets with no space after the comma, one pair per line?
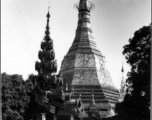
[83,67]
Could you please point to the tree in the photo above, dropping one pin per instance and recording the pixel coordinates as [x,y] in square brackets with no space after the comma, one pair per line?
[29,84]
[14,97]
[137,54]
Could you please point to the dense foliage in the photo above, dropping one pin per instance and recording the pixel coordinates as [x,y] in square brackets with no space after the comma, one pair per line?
[14,97]
[137,54]
[16,94]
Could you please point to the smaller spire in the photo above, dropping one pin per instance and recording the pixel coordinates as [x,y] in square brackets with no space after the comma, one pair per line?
[122,79]
[122,70]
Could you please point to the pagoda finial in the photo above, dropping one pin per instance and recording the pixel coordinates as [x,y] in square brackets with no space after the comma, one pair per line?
[47,32]
[84,5]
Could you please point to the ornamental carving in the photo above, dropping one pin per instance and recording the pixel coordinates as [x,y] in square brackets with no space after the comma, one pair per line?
[84,60]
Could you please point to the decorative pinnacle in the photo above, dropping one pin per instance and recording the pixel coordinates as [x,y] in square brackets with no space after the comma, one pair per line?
[122,70]
[47,32]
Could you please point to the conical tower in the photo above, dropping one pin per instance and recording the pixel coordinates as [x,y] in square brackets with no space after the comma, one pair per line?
[122,86]
[83,67]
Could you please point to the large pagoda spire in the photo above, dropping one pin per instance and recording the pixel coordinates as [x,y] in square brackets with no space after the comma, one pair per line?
[84,40]
[83,67]
[47,65]
[84,55]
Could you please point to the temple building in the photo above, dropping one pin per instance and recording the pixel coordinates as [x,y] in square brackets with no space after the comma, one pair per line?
[48,100]
[83,88]
[83,68]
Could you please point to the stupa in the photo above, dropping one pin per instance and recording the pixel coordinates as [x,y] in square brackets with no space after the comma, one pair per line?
[83,67]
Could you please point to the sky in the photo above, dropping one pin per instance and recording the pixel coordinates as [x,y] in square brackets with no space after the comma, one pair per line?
[23,25]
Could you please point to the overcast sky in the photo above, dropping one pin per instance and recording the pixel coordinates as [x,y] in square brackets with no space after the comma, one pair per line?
[23,24]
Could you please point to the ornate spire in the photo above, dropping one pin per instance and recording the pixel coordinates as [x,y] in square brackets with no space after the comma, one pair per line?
[47,32]
[83,66]
[47,65]
[122,79]
[122,86]
[84,50]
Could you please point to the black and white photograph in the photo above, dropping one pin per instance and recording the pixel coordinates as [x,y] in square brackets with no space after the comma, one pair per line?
[76,59]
